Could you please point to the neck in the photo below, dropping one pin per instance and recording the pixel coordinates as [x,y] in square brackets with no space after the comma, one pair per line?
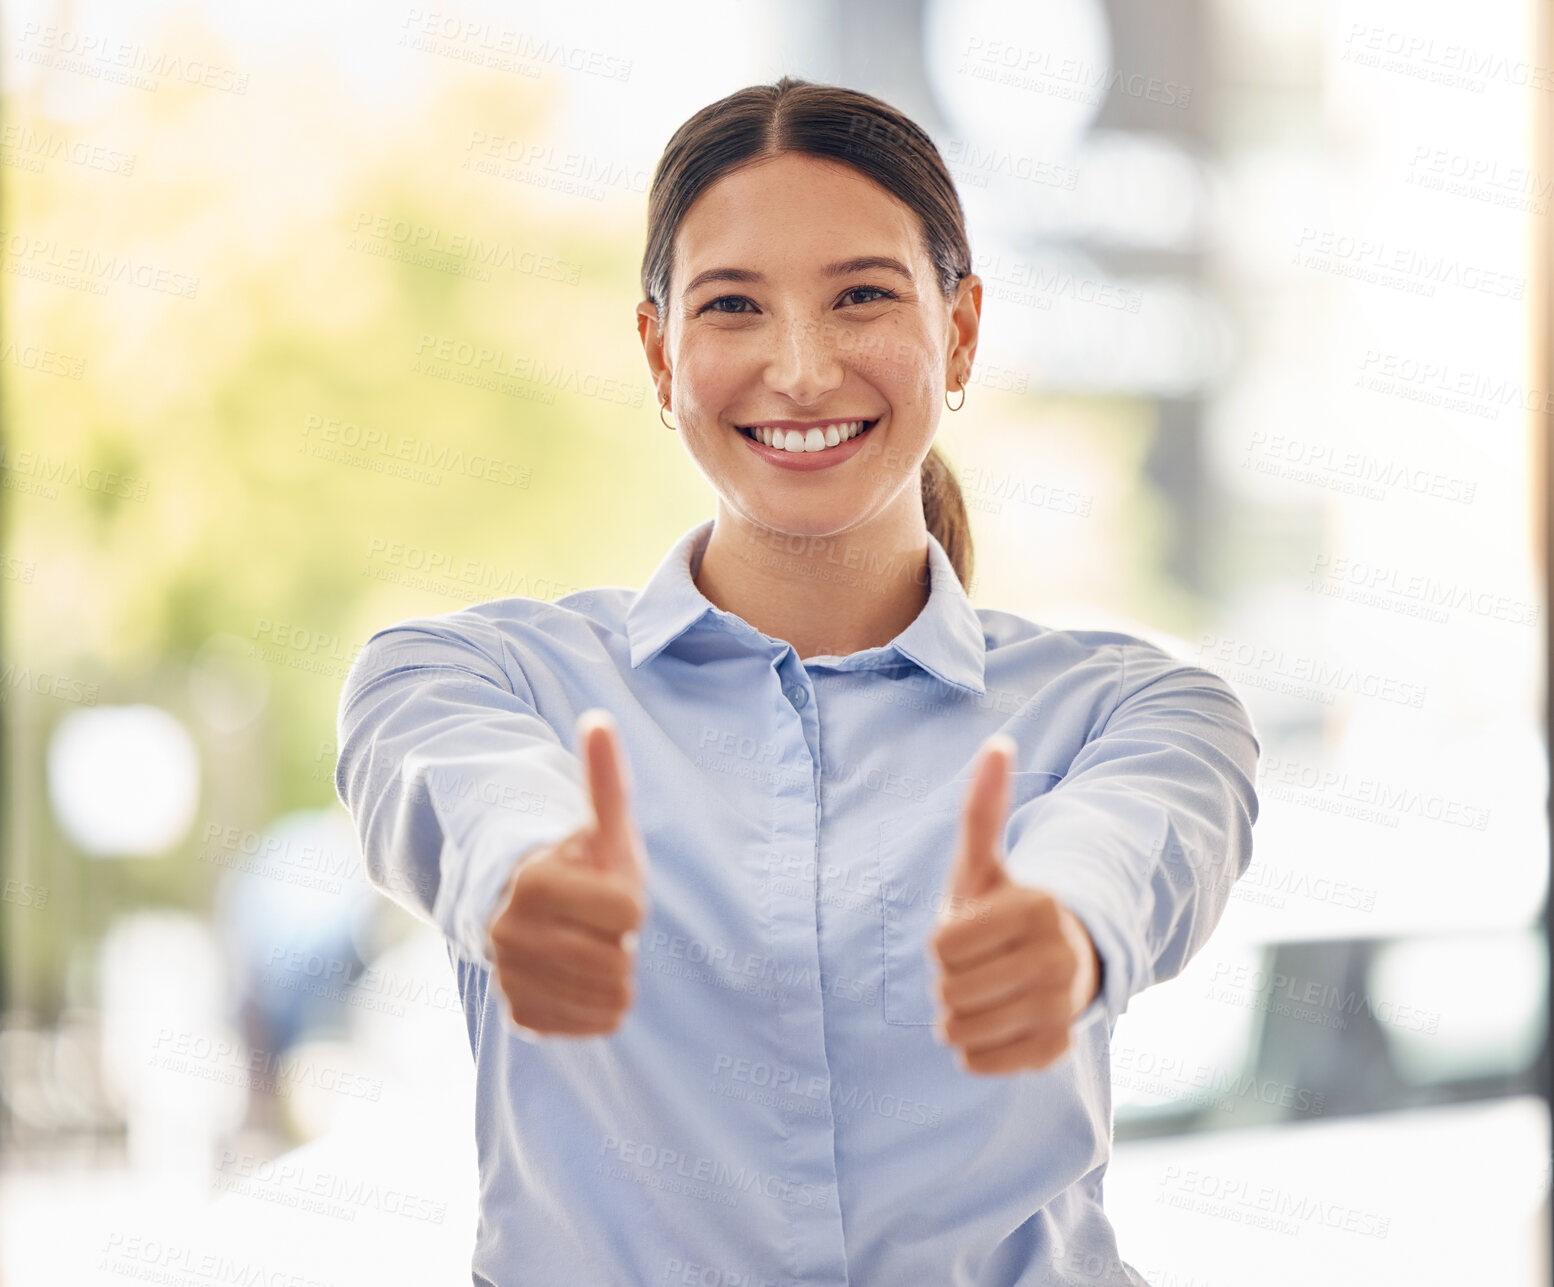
[832,595]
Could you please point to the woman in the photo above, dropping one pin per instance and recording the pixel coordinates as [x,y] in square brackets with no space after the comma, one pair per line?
[792,899]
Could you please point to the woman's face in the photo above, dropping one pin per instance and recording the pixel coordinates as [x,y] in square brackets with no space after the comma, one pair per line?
[767,321]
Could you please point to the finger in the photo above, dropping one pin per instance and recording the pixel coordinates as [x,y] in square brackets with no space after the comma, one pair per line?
[586,996]
[605,903]
[1000,923]
[607,787]
[1033,1010]
[580,963]
[987,801]
[1034,1052]
[992,982]
[617,996]
[978,861]
[608,905]
[547,1014]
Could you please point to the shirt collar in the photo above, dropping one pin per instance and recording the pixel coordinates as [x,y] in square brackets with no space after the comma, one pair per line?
[945,639]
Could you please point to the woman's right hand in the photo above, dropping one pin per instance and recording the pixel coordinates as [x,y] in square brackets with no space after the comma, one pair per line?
[564,938]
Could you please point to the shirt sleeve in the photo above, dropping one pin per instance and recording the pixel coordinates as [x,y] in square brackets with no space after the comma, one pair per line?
[449,773]
[1144,836]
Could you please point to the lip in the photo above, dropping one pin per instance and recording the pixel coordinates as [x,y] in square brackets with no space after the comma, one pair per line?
[804,461]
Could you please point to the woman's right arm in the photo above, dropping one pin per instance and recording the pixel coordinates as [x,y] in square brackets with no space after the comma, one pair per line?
[449,773]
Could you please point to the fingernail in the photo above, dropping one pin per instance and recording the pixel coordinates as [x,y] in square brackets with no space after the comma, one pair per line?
[594,717]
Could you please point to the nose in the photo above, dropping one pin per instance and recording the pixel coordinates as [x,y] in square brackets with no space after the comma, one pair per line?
[805,365]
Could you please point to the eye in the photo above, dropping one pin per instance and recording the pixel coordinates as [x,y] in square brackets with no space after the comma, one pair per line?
[715,305]
[723,299]
[880,291]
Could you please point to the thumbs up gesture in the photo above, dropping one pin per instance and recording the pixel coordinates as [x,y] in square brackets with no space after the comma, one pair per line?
[1015,965]
[564,938]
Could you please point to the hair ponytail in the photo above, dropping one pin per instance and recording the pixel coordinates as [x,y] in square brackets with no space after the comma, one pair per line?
[944,512]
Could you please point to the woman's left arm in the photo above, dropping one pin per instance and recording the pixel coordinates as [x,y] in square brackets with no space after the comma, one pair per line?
[1152,825]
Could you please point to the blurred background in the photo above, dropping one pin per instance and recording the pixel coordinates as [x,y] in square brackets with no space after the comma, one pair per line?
[318,317]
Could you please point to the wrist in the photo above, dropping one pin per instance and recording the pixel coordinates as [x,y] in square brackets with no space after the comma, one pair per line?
[1088,978]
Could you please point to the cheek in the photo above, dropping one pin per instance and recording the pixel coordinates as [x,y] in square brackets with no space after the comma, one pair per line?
[895,359]
[705,376]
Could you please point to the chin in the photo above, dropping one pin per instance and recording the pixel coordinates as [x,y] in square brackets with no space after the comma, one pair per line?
[816,522]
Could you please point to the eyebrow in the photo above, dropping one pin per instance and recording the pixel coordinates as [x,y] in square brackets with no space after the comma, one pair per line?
[841,268]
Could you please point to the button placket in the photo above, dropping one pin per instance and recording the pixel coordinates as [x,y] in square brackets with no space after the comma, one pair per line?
[810,1145]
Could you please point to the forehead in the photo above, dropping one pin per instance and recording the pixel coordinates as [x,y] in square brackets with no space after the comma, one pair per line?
[795,210]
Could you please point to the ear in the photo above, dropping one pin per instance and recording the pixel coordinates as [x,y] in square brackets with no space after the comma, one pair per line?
[652,332]
[965,322]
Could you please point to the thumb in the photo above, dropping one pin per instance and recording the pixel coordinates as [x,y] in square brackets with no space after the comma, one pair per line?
[614,836]
[978,866]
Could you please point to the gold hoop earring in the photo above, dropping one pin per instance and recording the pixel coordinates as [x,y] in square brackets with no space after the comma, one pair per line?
[661,419]
[962,401]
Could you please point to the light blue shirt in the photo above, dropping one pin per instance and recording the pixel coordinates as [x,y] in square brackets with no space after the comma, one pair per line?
[774,1108]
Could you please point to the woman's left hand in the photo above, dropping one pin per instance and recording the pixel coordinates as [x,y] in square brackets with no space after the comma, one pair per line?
[1015,965]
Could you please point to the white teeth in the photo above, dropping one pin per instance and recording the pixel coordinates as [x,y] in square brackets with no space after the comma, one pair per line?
[797,440]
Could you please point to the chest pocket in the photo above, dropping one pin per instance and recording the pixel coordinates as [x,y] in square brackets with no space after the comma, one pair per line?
[914,852]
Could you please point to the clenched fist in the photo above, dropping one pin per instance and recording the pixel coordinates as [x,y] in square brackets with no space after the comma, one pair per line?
[564,938]
[1015,965]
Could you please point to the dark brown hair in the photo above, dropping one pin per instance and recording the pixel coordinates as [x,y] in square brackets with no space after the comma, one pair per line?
[836,124]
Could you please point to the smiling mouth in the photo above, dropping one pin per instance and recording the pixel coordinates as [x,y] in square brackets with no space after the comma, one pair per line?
[801,441]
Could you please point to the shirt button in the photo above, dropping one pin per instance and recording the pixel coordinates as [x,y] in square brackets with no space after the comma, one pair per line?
[798,696]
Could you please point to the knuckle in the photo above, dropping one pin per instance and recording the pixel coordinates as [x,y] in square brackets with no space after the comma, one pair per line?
[523,892]
[1049,1048]
[995,1062]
